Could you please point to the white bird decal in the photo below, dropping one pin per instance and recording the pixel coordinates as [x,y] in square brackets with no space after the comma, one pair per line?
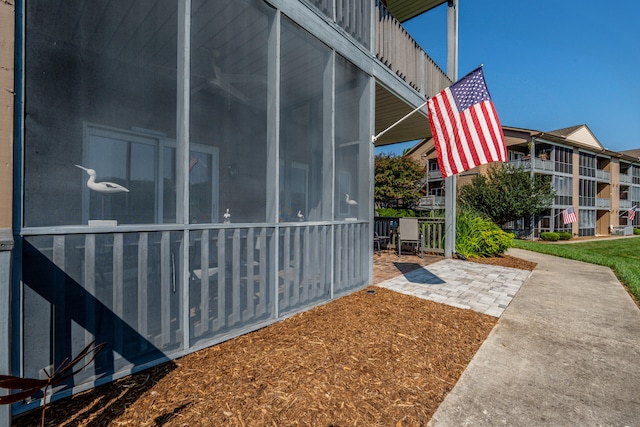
[349,201]
[102,187]
[227,216]
[300,216]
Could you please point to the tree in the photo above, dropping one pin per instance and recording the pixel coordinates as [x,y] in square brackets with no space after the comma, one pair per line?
[507,193]
[396,178]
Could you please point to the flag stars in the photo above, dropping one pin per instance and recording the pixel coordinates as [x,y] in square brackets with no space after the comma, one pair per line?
[470,90]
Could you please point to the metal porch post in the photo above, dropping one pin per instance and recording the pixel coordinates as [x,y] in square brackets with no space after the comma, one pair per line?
[450,183]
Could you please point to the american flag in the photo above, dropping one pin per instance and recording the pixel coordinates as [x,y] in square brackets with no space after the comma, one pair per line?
[465,125]
[569,216]
[632,213]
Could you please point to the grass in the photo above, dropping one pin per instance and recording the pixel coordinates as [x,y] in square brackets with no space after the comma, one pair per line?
[621,255]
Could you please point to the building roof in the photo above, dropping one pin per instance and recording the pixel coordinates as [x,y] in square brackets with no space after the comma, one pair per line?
[579,133]
[403,10]
[632,153]
[577,136]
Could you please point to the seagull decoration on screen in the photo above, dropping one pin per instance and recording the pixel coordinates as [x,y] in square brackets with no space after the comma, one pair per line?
[351,202]
[102,187]
[300,216]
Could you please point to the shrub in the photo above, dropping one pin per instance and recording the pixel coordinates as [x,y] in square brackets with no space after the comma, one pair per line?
[550,236]
[564,235]
[390,212]
[477,236]
[636,231]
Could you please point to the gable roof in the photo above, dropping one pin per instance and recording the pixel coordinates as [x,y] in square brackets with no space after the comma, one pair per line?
[632,153]
[579,133]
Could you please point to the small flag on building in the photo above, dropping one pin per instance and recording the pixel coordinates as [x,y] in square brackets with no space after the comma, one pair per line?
[632,213]
[569,216]
[465,127]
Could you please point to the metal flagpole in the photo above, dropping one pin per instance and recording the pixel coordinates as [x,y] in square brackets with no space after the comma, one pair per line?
[375,138]
[450,182]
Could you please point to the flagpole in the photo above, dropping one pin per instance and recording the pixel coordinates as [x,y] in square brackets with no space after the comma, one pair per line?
[626,211]
[450,183]
[375,137]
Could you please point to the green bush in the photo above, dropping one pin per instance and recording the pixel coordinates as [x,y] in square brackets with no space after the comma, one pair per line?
[564,235]
[550,236]
[390,212]
[477,236]
[636,231]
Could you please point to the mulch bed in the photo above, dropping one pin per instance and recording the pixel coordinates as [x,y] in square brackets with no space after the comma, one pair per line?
[375,357]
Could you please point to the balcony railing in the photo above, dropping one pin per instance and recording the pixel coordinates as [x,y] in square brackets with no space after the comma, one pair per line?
[625,204]
[626,178]
[434,175]
[395,48]
[602,203]
[430,202]
[603,175]
[539,165]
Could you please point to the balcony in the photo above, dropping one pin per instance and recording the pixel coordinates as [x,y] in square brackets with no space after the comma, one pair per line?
[396,49]
[625,204]
[602,203]
[430,203]
[539,165]
[434,175]
[405,74]
[602,175]
[625,178]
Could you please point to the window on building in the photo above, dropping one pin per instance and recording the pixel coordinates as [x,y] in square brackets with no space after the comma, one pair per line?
[587,192]
[563,185]
[635,174]
[587,166]
[586,222]
[563,160]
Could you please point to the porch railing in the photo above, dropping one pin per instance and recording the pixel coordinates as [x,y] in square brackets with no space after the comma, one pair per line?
[432,230]
[154,295]
[395,48]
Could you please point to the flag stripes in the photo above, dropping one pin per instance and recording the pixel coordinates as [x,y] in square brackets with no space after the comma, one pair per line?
[469,137]
[569,216]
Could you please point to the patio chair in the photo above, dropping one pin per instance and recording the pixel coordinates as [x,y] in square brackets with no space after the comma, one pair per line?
[376,243]
[409,232]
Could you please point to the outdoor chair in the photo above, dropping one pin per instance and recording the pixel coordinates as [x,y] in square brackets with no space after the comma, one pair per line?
[409,232]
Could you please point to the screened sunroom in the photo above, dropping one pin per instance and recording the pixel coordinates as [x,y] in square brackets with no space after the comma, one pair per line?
[191,170]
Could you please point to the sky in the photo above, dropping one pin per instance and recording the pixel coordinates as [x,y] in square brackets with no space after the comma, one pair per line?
[548,64]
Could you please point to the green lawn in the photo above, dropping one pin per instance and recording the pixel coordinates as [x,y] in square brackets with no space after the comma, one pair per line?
[621,255]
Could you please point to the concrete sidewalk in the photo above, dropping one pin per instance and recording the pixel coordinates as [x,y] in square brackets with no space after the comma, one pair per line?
[566,352]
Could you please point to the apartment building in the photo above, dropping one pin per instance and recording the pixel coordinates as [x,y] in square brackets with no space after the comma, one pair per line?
[176,173]
[601,185]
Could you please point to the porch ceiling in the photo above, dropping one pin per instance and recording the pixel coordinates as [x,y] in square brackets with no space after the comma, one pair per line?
[390,109]
[404,10]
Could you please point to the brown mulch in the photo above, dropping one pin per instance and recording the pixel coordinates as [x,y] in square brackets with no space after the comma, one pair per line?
[507,261]
[372,358]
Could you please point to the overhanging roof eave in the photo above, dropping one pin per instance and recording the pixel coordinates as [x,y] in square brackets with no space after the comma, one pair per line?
[403,10]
